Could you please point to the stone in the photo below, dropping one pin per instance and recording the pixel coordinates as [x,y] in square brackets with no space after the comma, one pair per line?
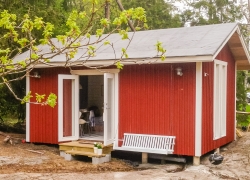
[69,157]
[62,153]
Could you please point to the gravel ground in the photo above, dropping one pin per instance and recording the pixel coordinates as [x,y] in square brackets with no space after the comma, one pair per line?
[18,162]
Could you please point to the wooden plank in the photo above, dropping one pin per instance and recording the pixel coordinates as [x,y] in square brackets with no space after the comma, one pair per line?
[241,112]
[77,146]
[89,154]
[76,143]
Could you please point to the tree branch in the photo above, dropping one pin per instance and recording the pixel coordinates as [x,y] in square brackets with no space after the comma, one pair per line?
[122,9]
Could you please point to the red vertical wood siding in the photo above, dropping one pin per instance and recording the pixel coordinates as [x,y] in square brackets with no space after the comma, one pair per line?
[44,119]
[154,100]
[208,143]
[67,107]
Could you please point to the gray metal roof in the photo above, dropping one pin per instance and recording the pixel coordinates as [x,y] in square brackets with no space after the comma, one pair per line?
[179,42]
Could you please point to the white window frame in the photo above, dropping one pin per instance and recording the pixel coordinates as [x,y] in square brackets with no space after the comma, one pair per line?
[220,96]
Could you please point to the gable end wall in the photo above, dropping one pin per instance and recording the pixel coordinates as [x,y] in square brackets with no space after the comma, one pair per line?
[208,144]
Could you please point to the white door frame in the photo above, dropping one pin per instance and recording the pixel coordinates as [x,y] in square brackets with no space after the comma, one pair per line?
[108,108]
[115,72]
[75,108]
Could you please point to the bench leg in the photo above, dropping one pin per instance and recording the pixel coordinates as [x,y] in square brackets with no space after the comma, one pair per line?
[217,150]
[196,160]
[144,158]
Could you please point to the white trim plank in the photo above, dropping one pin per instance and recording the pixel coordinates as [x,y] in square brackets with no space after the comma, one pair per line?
[27,110]
[198,109]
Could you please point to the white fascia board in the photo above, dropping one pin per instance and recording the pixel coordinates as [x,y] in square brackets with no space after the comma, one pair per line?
[110,62]
[244,45]
[198,110]
[27,110]
[94,71]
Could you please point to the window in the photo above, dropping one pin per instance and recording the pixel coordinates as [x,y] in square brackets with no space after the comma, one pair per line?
[220,94]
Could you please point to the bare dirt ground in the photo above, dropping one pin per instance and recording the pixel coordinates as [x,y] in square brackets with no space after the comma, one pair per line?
[22,161]
[28,157]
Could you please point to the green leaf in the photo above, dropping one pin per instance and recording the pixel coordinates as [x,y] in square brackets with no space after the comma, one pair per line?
[119,65]
[88,35]
[62,39]
[117,22]
[39,97]
[163,57]
[82,15]
[22,63]
[106,42]
[104,22]
[51,100]
[23,42]
[26,98]
[99,32]
[34,56]
[124,34]
[38,22]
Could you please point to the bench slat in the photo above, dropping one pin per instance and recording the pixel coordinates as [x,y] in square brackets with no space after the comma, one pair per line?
[148,143]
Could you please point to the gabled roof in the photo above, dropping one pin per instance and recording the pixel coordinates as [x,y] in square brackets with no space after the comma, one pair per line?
[186,44]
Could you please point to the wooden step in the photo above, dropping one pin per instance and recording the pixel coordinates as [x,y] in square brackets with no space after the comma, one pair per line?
[89,154]
[83,147]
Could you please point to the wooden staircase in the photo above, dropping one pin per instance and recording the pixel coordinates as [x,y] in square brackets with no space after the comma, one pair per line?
[84,148]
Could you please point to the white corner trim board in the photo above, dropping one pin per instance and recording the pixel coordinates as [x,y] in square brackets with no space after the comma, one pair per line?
[198,109]
[27,110]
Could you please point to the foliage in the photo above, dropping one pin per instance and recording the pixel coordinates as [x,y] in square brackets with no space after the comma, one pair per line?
[159,13]
[99,145]
[26,32]
[211,12]
[51,11]
[9,105]
[241,103]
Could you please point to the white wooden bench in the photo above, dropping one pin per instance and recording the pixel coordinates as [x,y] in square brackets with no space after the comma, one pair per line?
[148,143]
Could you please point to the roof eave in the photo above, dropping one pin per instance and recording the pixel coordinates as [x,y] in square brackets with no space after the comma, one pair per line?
[243,64]
[132,61]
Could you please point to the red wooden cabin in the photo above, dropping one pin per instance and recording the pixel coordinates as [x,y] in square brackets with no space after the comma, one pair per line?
[190,95]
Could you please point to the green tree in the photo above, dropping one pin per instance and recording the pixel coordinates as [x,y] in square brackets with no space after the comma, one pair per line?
[241,103]
[210,12]
[159,13]
[52,11]
[22,33]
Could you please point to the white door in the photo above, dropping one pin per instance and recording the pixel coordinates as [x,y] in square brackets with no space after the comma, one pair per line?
[109,110]
[68,107]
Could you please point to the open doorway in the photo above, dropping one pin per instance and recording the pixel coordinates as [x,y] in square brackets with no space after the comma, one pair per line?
[83,91]
[91,100]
